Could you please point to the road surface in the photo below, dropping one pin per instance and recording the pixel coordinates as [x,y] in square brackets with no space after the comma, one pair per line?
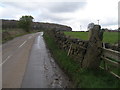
[27,63]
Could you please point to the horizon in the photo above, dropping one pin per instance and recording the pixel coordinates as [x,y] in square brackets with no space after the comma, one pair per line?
[58,24]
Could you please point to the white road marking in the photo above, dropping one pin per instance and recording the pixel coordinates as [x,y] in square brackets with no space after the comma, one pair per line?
[38,41]
[6,59]
[22,44]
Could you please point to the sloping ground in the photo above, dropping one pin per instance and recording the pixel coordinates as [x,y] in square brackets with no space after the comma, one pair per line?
[11,33]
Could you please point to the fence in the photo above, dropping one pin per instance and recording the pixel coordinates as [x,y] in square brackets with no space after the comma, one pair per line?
[111,57]
[89,53]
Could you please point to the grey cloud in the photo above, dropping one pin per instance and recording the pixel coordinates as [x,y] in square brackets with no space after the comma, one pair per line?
[52,17]
[110,23]
[66,7]
[23,5]
[55,7]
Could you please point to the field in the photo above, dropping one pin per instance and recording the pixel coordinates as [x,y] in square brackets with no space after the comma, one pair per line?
[108,37]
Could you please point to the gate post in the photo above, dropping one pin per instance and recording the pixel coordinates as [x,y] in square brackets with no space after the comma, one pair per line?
[93,53]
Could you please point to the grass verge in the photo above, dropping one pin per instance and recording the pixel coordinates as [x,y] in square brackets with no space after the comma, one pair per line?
[81,78]
[12,33]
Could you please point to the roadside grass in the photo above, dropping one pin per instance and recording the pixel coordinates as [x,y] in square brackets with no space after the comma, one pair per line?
[108,37]
[10,34]
[11,37]
[111,68]
[81,78]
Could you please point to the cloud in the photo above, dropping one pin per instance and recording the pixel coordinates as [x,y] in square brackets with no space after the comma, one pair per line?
[22,5]
[53,18]
[65,7]
[73,13]
[55,7]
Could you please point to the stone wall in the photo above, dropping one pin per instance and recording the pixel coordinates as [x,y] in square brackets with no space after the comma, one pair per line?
[87,53]
[115,47]
[76,48]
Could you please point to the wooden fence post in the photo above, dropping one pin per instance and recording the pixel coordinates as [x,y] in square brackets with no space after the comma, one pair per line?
[93,53]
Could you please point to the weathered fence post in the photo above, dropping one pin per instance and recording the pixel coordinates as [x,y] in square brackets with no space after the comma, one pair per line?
[92,57]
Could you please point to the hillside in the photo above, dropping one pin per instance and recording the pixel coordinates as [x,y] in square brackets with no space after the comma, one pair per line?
[11,24]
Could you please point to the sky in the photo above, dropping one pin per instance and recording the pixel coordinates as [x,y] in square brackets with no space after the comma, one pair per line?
[74,13]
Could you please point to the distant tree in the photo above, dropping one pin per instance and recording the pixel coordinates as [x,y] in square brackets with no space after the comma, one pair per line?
[25,22]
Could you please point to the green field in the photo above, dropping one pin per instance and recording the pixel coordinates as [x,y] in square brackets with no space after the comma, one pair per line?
[108,37]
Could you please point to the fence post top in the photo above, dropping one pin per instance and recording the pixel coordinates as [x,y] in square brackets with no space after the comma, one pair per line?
[93,26]
[98,27]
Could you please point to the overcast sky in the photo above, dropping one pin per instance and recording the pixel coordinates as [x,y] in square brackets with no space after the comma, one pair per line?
[75,13]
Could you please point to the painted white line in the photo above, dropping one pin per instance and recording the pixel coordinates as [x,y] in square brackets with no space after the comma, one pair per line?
[22,44]
[38,41]
[6,59]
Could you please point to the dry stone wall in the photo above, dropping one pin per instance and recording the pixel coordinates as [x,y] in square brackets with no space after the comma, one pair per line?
[74,47]
[113,47]
[87,53]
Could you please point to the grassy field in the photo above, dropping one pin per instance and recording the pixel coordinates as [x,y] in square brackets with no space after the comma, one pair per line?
[81,78]
[108,37]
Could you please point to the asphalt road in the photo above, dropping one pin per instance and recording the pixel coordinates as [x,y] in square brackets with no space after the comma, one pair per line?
[27,63]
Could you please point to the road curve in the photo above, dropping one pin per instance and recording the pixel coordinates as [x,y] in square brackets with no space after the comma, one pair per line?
[27,63]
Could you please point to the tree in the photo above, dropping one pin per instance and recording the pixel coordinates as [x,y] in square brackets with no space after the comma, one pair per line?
[25,22]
